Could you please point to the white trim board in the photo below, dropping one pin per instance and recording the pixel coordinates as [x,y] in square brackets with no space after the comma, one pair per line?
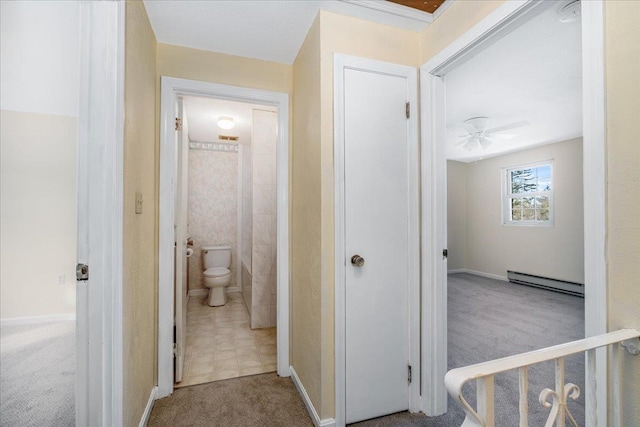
[31,320]
[317,422]
[100,174]
[342,62]
[433,124]
[171,88]
[147,409]
[479,273]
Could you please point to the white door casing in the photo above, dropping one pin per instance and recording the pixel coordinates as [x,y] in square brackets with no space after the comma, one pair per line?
[433,125]
[99,347]
[377,307]
[182,182]
[171,89]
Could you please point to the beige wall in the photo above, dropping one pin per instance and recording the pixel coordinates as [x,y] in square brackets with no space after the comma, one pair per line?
[306,340]
[140,231]
[490,247]
[312,336]
[623,188]
[194,64]
[38,217]
[39,89]
[456,214]
[457,19]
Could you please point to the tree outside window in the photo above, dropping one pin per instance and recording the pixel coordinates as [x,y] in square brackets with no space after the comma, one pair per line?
[528,194]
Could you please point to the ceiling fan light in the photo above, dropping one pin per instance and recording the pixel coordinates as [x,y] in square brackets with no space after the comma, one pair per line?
[226,123]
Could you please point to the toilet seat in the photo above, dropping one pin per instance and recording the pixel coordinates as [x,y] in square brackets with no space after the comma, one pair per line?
[216,272]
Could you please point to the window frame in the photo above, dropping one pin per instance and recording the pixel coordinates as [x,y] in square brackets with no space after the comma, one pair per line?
[507,195]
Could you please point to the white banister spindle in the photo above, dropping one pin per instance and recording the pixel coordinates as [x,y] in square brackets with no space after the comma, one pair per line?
[485,400]
[556,400]
[560,419]
[591,403]
[524,394]
[615,384]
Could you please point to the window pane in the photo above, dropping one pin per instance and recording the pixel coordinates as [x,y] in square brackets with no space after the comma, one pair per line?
[543,175]
[542,215]
[528,202]
[528,214]
[516,204]
[516,215]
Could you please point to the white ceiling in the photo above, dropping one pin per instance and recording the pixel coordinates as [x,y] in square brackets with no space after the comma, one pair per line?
[203,114]
[534,73]
[269,30]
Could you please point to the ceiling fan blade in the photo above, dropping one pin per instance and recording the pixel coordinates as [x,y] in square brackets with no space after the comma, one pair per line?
[471,129]
[484,143]
[503,135]
[506,127]
[466,140]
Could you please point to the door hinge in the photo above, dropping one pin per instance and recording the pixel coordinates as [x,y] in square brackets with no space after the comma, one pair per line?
[445,253]
[82,272]
[407,109]
[178,123]
[409,375]
[175,350]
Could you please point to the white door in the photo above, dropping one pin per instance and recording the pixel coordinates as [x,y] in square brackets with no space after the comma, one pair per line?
[182,192]
[377,200]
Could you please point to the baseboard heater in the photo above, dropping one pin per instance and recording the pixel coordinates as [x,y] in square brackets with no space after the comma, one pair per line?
[563,286]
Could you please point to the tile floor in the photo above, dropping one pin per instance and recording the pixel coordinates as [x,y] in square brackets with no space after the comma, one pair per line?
[221,345]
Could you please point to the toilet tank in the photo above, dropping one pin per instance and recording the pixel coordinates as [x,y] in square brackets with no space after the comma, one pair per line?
[216,256]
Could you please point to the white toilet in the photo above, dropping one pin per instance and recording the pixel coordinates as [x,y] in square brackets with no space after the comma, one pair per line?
[216,261]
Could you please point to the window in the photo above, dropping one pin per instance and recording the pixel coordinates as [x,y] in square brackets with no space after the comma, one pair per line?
[528,195]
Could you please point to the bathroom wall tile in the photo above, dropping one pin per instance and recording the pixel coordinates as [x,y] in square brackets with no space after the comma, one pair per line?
[261,291]
[262,200]
[264,131]
[261,260]
[260,317]
[262,230]
[264,169]
[213,207]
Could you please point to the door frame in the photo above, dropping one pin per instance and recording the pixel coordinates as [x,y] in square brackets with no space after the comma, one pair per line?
[171,88]
[342,62]
[99,349]
[433,124]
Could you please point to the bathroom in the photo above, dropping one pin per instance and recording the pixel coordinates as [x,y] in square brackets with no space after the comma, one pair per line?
[231,230]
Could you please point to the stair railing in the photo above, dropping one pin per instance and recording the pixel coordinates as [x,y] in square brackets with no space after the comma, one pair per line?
[483,374]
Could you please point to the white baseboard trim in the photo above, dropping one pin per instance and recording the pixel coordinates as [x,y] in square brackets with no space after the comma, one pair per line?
[205,291]
[147,410]
[479,273]
[37,319]
[317,422]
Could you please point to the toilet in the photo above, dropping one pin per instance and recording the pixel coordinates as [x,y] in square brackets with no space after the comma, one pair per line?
[216,261]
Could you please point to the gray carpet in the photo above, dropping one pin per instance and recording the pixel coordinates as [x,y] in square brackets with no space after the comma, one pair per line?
[488,319]
[257,400]
[37,365]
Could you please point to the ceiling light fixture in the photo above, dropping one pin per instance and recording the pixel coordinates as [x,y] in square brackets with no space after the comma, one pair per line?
[226,123]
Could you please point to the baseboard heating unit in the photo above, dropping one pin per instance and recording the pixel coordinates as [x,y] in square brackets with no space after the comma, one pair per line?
[546,283]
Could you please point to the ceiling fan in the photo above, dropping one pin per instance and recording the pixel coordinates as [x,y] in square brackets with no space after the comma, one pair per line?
[478,136]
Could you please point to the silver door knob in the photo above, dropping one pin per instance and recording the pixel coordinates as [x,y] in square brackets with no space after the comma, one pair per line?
[357,261]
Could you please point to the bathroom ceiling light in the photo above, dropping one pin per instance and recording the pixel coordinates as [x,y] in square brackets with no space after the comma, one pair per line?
[226,123]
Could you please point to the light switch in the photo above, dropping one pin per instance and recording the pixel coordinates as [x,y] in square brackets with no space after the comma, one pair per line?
[138,202]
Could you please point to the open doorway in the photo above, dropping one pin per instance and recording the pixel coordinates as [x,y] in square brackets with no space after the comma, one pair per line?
[264,111]
[508,18]
[229,217]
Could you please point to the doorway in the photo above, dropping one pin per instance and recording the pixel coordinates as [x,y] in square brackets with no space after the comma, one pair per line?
[172,89]
[376,239]
[225,223]
[434,180]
